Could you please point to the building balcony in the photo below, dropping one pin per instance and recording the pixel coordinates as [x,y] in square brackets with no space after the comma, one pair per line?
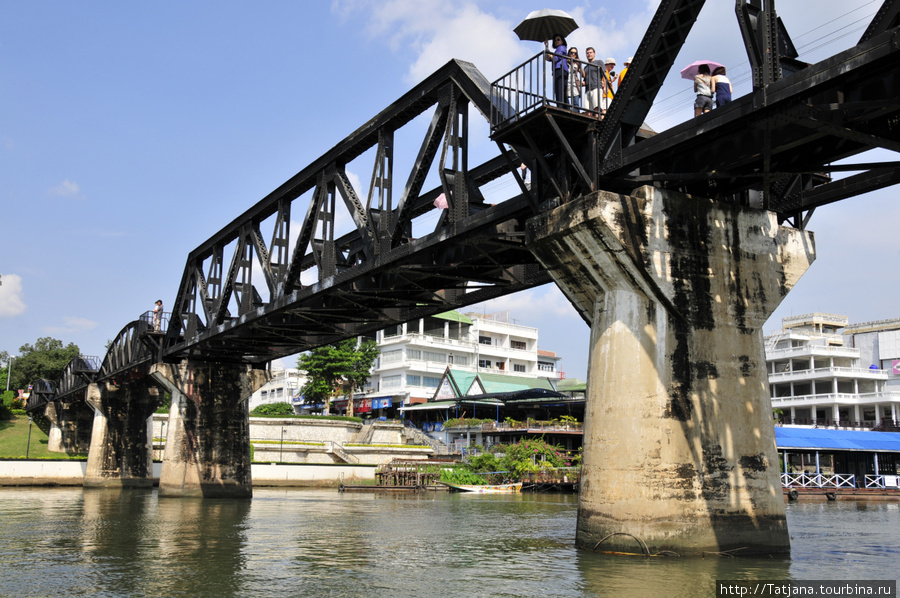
[826,373]
[811,351]
[868,398]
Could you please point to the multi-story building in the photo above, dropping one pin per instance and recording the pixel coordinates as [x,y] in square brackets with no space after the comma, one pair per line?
[825,372]
[283,387]
[415,355]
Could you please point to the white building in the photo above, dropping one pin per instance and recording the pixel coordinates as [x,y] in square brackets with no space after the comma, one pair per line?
[415,355]
[284,384]
[824,372]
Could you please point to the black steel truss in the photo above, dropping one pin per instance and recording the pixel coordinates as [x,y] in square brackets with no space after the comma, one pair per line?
[773,148]
[378,274]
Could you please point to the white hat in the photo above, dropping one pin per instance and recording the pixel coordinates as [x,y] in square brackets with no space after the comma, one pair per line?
[610,61]
[630,60]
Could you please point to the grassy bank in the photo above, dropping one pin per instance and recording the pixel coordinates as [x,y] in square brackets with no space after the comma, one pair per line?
[14,443]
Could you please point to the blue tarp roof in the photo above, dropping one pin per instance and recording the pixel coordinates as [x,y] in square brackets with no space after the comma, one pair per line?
[840,440]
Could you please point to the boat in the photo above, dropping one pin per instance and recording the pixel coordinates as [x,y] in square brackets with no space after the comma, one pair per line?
[486,488]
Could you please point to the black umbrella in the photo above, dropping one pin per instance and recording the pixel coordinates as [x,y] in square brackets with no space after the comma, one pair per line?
[543,24]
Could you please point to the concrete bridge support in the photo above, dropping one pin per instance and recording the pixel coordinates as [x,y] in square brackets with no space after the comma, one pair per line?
[70,427]
[121,444]
[679,445]
[208,438]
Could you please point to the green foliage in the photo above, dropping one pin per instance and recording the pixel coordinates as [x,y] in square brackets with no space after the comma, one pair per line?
[273,409]
[466,422]
[341,367]
[6,405]
[461,476]
[532,455]
[47,358]
[484,463]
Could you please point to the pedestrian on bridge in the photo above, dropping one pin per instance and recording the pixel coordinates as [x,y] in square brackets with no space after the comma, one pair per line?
[560,68]
[157,315]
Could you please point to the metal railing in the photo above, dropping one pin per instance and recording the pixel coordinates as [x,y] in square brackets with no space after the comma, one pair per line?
[525,89]
[156,321]
[818,480]
[882,481]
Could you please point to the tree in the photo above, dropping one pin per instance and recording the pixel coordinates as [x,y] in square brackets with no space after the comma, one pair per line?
[343,366]
[47,358]
[4,373]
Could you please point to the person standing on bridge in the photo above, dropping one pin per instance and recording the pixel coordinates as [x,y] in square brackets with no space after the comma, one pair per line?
[157,315]
[722,85]
[592,82]
[606,84]
[703,85]
[560,67]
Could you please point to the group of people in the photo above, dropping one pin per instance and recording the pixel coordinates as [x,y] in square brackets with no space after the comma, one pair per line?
[572,76]
[706,84]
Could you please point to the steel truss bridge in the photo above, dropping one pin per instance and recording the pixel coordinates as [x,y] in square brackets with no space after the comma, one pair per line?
[279,279]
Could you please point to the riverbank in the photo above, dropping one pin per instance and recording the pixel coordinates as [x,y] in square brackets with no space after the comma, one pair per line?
[21,472]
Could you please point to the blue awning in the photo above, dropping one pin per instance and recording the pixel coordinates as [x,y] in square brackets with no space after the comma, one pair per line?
[837,440]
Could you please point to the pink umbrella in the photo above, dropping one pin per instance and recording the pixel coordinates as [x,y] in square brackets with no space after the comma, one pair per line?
[690,71]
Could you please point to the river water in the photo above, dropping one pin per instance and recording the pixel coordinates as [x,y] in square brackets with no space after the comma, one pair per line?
[292,542]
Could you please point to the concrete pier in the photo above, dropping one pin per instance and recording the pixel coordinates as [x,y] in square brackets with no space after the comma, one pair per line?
[121,445]
[70,426]
[679,446]
[208,437]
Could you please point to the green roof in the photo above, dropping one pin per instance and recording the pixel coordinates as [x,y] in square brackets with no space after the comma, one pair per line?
[453,316]
[461,380]
[504,383]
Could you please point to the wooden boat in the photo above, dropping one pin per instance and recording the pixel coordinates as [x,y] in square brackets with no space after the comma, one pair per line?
[486,488]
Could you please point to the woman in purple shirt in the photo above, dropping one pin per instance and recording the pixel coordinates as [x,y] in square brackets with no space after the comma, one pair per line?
[560,68]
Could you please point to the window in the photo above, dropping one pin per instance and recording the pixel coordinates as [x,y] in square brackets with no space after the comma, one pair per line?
[460,360]
[430,381]
[392,356]
[393,331]
[545,366]
[413,380]
[413,354]
[391,381]
[518,345]
[518,367]
[484,363]
[484,340]
[434,357]
[264,394]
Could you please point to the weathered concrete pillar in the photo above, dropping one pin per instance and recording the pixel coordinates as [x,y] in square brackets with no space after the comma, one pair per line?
[70,426]
[54,438]
[208,438]
[121,442]
[679,444]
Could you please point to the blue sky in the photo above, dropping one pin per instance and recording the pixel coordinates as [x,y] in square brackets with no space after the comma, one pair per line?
[131,132]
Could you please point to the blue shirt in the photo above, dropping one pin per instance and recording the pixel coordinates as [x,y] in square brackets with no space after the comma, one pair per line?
[561,58]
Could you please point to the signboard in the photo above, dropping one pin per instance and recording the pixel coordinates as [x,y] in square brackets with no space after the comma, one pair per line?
[895,367]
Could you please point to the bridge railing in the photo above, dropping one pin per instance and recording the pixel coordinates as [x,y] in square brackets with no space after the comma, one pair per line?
[528,87]
[157,321]
[818,480]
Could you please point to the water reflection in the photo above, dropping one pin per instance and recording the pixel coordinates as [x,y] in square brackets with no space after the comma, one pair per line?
[315,543]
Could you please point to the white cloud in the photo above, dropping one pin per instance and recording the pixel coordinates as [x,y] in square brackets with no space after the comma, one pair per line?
[531,307]
[72,325]
[432,33]
[12,301]
[65,189]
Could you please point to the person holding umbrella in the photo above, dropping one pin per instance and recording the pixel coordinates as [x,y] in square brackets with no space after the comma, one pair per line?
[560,68]
[550,24]
[704,86]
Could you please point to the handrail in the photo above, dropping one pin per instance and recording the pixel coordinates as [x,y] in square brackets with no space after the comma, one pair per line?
[818,480]
[524,89]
